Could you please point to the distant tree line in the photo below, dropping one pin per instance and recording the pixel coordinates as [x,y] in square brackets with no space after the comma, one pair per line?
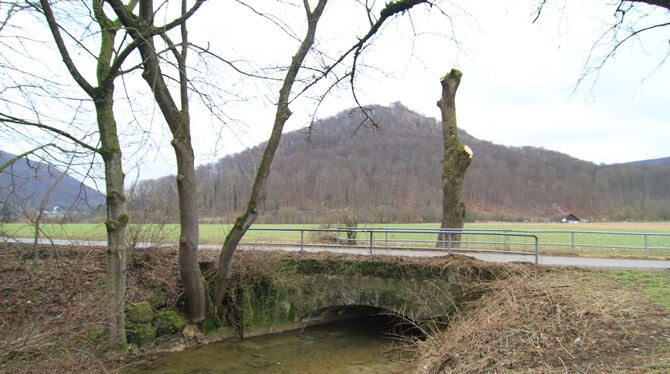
[392,174]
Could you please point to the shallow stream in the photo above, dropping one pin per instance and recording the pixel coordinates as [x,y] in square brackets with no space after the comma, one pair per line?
[362,345]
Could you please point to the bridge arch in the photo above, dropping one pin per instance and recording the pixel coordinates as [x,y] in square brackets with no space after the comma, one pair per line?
[289,291]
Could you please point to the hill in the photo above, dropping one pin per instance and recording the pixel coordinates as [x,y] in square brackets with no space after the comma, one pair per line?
[654,161]
[24,184]
[392,174]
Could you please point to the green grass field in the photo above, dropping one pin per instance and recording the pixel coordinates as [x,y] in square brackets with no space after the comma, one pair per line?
[656,284]
[558,241]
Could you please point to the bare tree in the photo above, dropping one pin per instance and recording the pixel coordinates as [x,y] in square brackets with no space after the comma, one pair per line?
[283,113]
[109,59]
[143,31]
[457,158]
[632,19]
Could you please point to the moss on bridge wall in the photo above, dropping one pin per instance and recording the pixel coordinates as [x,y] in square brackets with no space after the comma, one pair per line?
[275,291]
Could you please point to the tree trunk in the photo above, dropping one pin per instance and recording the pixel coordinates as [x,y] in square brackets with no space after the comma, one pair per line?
[116,221]
[282,115]
[142,30]
[189,268]
[249,216]
[457,158]
[179,123]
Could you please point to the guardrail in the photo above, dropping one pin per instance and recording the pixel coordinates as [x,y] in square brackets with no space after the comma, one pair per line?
[572,239]
[371,242]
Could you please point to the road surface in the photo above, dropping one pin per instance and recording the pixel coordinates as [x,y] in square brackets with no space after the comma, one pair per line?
[543,260]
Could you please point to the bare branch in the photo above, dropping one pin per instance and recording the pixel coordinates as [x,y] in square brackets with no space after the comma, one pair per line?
[232,64]
[65,54]
[185,16]
[389,11]
[660,3]
[10,119]
[16,158]
[540,7]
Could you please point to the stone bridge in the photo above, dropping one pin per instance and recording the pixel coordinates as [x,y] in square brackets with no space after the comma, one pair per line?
[282,291]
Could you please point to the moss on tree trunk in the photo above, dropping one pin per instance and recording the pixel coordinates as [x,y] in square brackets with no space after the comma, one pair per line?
[457,158]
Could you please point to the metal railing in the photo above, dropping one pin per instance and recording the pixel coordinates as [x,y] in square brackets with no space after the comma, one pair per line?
[372,240]
[549,239]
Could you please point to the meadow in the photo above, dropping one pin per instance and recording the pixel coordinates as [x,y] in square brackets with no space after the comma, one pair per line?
[554,238]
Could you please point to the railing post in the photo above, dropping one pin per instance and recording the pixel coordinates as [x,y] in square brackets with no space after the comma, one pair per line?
[646,245]
[302,240]
[449,243]
[370,242]
[537,251]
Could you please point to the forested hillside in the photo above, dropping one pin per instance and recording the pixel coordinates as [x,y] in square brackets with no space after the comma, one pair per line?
[392,174]
[24,184]
[654,161]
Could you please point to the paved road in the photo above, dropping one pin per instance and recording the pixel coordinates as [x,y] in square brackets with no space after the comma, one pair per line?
[543,260]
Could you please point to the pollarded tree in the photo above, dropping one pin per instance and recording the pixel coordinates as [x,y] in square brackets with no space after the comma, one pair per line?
[457,158]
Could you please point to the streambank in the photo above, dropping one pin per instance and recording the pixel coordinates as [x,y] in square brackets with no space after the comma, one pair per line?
[526,322]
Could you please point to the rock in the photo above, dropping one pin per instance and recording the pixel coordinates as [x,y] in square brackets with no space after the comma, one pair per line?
[191,331]
[140,333]
[168,321]
[141,312]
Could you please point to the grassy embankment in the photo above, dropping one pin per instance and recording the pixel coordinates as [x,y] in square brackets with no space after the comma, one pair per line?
[560,321]
[556,320]
[555,243]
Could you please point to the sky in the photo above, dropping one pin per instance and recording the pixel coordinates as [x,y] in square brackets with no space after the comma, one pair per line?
[519,86]
[520,79]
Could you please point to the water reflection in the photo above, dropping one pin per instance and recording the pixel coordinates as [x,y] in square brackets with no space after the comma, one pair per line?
[362,345]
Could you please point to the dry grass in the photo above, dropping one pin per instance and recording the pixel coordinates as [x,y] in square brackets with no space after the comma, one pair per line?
[560,321]
[49,306]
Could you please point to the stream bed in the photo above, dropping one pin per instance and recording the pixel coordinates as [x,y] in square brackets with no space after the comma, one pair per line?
[362,345]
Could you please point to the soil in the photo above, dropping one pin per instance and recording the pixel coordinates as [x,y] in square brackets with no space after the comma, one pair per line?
[546,321]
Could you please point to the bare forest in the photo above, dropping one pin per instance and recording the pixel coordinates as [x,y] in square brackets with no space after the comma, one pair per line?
[391,173]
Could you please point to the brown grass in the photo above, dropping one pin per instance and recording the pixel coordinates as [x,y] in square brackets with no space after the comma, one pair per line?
[49,305]
[557,321]
[46,308]
[563,321]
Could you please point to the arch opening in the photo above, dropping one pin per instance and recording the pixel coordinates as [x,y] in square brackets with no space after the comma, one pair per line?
[386,322]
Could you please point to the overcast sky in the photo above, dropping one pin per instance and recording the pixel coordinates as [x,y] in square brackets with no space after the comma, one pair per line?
[520,78]
[519,83]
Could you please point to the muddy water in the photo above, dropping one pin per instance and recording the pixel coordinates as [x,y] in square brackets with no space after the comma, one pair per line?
[358,346]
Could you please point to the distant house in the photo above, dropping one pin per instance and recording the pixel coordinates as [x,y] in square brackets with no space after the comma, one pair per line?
[55,212]
[570,218]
